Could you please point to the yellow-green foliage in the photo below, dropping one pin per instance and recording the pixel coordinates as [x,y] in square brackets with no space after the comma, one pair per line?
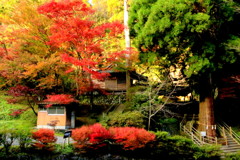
[6,109]
[126,119]
[15,127]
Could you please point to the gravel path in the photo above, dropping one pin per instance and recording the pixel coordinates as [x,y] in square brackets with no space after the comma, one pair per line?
[60,140]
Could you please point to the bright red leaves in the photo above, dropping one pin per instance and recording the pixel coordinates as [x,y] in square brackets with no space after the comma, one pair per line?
[131,138]
[59,99]
[96,136]
[90,136]
[81,41]
[44,138]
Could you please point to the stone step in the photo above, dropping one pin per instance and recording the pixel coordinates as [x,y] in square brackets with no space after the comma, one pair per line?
[232,146]
[230,150]
[232,143]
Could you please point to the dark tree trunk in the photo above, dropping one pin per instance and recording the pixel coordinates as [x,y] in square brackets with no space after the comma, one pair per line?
[206,107]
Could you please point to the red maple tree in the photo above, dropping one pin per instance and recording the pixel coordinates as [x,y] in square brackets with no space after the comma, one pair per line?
[80,41]
[23,93]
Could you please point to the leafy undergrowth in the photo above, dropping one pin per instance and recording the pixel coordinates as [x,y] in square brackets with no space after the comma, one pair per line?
[16,112]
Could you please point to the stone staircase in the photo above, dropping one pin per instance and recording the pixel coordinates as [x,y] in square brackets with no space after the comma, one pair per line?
[229,140]
[232,146]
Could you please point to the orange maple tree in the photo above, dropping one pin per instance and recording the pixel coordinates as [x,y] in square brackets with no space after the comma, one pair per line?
[25,57]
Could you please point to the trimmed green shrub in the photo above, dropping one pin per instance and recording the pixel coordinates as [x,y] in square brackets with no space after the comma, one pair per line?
[64,149]
[232,156]
[126,119]
[208,152]
[181,148]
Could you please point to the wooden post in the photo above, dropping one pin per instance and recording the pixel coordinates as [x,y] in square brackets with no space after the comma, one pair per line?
[73,119]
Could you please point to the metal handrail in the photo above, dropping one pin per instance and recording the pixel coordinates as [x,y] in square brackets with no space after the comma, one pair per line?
[194,138]
[222,133]
[233,134]
[205,139]
[195,134]
[191,132]
[198,138]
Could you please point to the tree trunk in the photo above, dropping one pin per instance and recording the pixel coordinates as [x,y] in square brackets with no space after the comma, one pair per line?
[31,105]
[206,108]
[150,108]
[91,92]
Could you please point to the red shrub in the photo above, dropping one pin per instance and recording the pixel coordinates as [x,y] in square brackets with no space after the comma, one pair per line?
[131,138]
[17,112]
[96,136]
[93,136]
[44,138]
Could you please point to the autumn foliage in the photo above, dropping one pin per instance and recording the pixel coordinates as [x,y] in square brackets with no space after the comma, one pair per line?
[44,138]
[23,93]
[80,41]
[131,138]
[59,99]
[96,136]
[21,90]
[58,47]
